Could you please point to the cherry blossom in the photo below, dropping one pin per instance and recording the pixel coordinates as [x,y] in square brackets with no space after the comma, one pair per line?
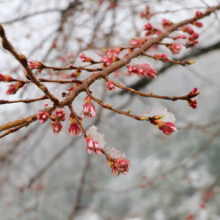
[34,64]
[110,86]
[5,78]
[85,59]
[94,140]
[56,126]
[74,127]
[43,116]
[166,125]
[88,108]
[117,162]
[13,88]
[60,114]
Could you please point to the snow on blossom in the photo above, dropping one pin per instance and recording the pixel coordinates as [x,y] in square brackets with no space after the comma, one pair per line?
[167,124]
[94,140]
[117,162]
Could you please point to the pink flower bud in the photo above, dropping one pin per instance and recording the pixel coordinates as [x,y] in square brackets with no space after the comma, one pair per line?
[166,23]
[163,57]
[94,141]
[142,70]
[34,64]
[56,126]
[43,116]
[85,59]
[60,114]
[88,108]
[174,48]
[187,29]
[137,41]
[5,78]
[74,127]
[73,87]
[193,37]
[110,86]
[117,162]
[192,103]
[13,88]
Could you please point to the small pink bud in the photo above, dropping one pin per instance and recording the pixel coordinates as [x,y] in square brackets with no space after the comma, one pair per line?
[85,59]
[110,86]
[60,114]
[5,78]
[43,116]
[34,64]
[76,73]
[56,126]
[88,108]
[13,88]
[74,127]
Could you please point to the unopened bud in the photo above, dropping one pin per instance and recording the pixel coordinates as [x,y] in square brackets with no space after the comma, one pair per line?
[2,32]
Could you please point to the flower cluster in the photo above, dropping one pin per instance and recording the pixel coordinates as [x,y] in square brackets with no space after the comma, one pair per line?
[43,116]
[150,30]
[94,140]
[174,48]
[5,78]
[137,41]
[166,23]
[34,64]
[88,108]
[163,57]
[85,59]
[192,102]
[110,86]
[74,127]
[117,162]
[13,88]
[166,125]
[56,118]
[142,70]
[112,56]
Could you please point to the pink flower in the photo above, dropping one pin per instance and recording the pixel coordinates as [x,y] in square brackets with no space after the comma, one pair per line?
[43,116]
[110,86]
[60,114]
[94,141]
[56,126]
[85,59]
[166,23]
[166,125]
[187,29]
[34,64]
[107,60]
[174,48]
[163,57]
[150,30]
[88,108]
[197,24]
[76,73]
[198,15]
[74,127]
[5,78]
[192,102]
[137,41]
[115,52]
[142,70]
[193,37]
[117,162]
[13,88]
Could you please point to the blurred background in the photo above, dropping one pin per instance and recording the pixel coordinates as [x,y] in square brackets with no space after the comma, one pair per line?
[48,176]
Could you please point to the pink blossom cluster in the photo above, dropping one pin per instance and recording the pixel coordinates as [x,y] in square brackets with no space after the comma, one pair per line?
[117,162]
[193,102]
[34,64]
[174,48]
[167,122]
[94,141]
[88,108]
[56,118]
[110,86]
[85,59]
[142,70]
[43,116]
[5,78]
[74,127]
[137,41]
[150,30]
[13,88]
[163,57]
[166,23]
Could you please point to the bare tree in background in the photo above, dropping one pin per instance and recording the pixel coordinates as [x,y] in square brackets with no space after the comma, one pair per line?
[66,61]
